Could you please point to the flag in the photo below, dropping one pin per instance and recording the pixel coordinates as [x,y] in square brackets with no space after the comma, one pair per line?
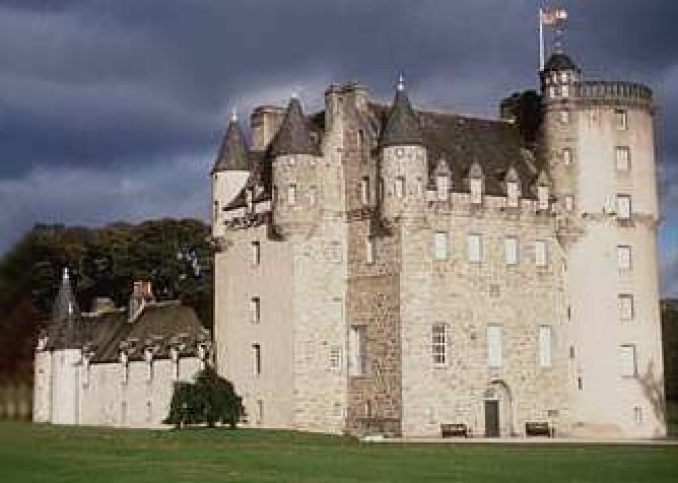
[553,16]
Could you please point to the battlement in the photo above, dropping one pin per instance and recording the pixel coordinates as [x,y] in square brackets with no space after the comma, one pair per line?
[612,90]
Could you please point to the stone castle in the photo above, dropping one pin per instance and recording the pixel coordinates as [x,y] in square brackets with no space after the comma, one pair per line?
[386,269]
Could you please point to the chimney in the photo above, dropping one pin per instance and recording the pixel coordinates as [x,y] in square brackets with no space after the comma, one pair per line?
[265,122]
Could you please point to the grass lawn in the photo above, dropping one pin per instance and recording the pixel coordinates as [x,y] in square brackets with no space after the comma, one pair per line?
[30,453]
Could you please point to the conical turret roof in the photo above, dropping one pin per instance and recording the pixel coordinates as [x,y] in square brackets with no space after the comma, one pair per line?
[402,124]
[233,153]
[294,135]
[558,62]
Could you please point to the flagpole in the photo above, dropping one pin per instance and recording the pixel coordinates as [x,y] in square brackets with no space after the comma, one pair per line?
[541,40]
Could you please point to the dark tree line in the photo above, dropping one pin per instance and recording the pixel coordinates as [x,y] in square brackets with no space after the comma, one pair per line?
[104,262]
[670,345]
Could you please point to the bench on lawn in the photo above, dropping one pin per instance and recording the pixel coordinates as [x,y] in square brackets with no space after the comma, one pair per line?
[539,428]
[458,429]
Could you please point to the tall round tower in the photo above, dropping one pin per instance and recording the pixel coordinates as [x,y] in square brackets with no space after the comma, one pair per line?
[296,189]
[597,140]
[403,165]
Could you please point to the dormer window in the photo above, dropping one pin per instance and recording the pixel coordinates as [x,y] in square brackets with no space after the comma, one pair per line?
[442,187]
[476,185]
[512,194]
[543,197]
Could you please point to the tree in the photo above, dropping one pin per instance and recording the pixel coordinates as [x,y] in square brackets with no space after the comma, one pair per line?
[210,400]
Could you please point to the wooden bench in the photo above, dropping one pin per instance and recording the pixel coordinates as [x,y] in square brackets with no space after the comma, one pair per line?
[450,430]
[539,428]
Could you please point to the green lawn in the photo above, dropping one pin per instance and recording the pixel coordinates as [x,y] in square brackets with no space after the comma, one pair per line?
[58,454]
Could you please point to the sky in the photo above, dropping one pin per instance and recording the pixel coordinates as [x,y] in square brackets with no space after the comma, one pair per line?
[114,109]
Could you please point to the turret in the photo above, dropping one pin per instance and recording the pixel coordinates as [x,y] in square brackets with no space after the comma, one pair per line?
[403,163]
[230,173]
[296,189]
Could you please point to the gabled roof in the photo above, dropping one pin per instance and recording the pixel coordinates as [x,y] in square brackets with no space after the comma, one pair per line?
[294,135]
[402,126]
[233,153]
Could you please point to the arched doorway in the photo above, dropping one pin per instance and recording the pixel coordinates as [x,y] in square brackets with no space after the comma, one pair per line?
[498,410]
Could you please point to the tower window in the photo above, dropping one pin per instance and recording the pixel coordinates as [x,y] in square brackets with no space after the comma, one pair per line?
[567,156]
[474,250]
[255,253]
[621,121]
[365,191]
[627,356]
[624,257]
[313,195]
[626,307]
[335,358]
[255,310]
[623,207]
[442,187]
[256,356]
[623,159]
[356,346]
[439,344]
[400,187]
[545,343]
[440,245]
[370,250]
[511,250]
[494,346]
[565,117]
[540,253]
[292,194]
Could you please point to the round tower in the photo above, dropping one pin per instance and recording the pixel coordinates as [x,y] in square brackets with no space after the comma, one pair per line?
[597,140]
[403,165]
[296,186]
[230,173]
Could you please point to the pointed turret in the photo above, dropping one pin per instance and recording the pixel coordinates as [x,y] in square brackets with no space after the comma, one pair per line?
[65,305]
[233,153]
[294,135]
[402,126]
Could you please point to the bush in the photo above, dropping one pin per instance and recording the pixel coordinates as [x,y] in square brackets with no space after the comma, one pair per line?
[210,400]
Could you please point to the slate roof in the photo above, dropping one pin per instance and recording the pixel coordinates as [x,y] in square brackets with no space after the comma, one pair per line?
[558,62]
[402,126]
[294,135]
[233,154]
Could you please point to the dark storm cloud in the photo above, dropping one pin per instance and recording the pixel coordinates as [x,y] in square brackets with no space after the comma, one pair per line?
[130,97]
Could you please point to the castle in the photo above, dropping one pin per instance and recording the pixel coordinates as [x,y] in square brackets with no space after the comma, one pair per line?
[115,366]
[386,269]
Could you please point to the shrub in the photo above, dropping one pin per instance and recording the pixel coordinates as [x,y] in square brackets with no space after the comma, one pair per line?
[210,400]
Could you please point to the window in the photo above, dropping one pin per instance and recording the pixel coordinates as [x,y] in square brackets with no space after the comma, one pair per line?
[255,310]
[292,194]
[443,187]
[400,187]
[569,203]
[255,253]
[565,89]
[540,253]
[624,257]
[474,247]
[335,358]
[256,356]
[149,411]
[369,250]
[512,194]
[565,117]
[356,346]
[621,120]
[494,334]
[638,415]
[365,191]
[626,307]
[260,412]
[545,341]
[567,156]
[623,159]
[543,197]
[623,207]
[440,249]
[312,195]
[476,191]
[420,188]
[439,344]
[627,355]
[511,250]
